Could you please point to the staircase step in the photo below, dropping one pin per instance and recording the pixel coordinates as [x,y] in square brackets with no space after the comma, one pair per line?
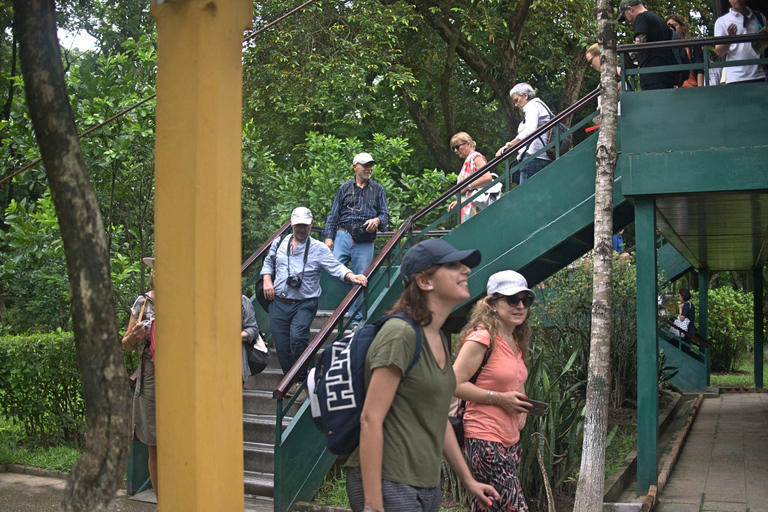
[259,457]
[258,401]
[259,428]
[268,379]
[259,484]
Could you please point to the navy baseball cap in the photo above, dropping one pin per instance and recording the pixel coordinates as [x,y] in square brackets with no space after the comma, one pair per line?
[434,252]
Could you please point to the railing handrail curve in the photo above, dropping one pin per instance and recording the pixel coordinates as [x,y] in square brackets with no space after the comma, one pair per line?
[696,41]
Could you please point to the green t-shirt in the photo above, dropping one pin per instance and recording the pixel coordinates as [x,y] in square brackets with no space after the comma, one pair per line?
[414,428]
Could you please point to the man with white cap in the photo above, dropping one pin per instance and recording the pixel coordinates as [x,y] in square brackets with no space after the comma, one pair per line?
[359,210]
[296,262]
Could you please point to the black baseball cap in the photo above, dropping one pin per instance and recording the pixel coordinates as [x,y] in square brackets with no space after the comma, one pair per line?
[434,252]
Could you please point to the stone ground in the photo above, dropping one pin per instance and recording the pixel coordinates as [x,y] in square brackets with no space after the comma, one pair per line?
[724,464]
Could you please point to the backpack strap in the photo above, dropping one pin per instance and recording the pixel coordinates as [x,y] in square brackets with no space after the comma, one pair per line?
[416,352]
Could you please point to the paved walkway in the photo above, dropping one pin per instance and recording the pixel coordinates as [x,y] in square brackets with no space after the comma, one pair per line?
[724,464]
[29,493]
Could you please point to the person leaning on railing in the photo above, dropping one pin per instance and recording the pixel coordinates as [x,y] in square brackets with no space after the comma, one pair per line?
[593,58]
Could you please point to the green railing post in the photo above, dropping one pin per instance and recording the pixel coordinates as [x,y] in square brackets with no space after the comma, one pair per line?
[758,309]
[647,344]
[704,311]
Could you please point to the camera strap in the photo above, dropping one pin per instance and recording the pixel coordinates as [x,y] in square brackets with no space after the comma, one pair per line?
[288,254]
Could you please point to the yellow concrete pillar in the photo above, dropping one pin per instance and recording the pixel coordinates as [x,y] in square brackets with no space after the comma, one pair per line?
[197,246]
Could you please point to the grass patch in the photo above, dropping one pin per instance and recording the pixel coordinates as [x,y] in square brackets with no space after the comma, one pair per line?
[333,491]
[624,440]
[743,378]
[13,450]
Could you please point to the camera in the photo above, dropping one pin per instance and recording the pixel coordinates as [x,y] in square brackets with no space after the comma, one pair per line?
[294,281]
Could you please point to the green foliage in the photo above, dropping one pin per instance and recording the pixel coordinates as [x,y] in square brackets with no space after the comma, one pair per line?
[41,388]
[333,490]
[561,427]
[744,377]
[35,278]
[562,320]
[13,451]
[731,326]
[620,442]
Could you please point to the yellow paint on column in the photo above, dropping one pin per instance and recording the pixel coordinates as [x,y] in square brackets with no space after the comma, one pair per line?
[197,246]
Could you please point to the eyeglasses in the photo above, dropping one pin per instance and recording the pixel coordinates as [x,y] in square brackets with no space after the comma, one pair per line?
[672,26]
[514,300]
[456,148]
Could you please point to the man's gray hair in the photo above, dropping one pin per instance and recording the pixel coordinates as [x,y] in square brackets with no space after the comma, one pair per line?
[522,88]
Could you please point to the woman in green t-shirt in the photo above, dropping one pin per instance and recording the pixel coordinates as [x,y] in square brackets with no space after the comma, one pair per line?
[404,429]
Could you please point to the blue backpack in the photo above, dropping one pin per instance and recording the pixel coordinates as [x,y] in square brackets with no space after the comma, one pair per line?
[337,385]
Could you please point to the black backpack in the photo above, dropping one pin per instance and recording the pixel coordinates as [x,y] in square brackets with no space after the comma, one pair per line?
[337,385]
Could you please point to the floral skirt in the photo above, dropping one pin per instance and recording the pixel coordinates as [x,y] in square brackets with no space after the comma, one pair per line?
[493,463]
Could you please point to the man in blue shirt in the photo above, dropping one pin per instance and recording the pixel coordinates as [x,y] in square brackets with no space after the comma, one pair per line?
[296,262]
[358,211]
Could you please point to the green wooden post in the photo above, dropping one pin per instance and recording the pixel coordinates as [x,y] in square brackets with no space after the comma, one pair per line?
[647,344]
[758,306]
[703,314]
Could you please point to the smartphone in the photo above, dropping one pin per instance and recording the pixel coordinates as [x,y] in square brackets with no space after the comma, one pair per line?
[538,409]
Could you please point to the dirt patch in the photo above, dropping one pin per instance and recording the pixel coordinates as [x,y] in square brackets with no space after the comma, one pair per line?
[621,416]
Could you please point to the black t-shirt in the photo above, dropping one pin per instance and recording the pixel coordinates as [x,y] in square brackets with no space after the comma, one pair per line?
[655,29]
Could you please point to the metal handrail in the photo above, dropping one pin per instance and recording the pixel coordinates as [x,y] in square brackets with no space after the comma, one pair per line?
[338,314]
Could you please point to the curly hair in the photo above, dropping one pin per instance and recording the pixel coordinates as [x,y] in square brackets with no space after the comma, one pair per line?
[484,316]
[413,301]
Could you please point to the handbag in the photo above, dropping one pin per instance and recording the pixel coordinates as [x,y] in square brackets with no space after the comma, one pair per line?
[258,355]
[490,196]
[360,235]
[683,326]
[457,418]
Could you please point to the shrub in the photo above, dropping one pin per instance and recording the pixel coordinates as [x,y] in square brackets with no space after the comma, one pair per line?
[731,327]
[41,388]
[562,322]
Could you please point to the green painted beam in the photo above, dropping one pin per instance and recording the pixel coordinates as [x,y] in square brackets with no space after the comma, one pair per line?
[647,344]
[703,313]
[758,312]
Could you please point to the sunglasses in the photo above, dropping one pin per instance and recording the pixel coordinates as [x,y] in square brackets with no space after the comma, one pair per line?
[456,148]
[514,300]
[672,26]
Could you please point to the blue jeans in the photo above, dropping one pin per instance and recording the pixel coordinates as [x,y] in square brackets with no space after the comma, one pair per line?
[358,258]
[290,330]
[532,167]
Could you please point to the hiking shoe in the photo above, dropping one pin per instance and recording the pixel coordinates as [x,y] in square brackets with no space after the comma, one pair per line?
[293,390]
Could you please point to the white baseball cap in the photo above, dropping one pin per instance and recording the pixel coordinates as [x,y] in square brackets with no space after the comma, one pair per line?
[363,158]
[507,282]
[301,215]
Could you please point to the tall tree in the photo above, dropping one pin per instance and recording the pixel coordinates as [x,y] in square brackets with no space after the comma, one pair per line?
[97,474]
[589,492]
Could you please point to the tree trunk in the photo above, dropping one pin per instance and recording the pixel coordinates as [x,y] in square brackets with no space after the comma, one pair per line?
[437,146]
[11,82]
[589,492]
[100,470]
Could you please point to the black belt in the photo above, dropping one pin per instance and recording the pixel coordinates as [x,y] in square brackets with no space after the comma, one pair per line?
[287,301]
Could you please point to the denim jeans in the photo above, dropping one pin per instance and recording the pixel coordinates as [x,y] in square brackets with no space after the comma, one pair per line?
[290,325]
[358,258]
[532,167]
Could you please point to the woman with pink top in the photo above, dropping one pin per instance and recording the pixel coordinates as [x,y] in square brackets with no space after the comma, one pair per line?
[495,346]
[464,147]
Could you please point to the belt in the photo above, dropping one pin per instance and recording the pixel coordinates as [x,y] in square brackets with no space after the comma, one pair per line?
[342,229]
[287,301]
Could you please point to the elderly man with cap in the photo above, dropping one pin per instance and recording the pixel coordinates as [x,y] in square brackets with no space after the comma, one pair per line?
[649,27]
[359,210]
[296,262]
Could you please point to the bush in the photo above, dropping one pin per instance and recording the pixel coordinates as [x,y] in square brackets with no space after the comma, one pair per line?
[562,322]
[731,327]
[41,388]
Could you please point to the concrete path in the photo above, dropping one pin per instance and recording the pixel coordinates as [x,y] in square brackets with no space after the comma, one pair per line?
[724,464]
[30,493]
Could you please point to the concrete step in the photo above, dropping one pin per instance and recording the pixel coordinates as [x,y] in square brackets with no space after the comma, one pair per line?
[260,428]
[258,401]
[259,484]
[259,457]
